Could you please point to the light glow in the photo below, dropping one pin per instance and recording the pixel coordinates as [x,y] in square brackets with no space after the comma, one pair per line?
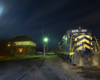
[45,39]
[20,49]
[84,30]
[31,43]
[1,9]
[19,43]
[65,37]
[8,44]
[74,30]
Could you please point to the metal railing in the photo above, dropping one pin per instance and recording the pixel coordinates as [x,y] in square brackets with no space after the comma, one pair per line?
[97,43]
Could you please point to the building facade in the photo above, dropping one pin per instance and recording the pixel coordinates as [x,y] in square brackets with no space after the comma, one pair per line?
[21,45]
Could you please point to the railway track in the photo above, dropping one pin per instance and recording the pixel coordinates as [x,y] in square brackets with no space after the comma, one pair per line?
[38,64]
[91,71]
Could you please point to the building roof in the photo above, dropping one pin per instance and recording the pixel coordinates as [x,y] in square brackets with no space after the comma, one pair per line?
[22,38]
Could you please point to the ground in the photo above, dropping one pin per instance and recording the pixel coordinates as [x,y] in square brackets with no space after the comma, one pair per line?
[51,68]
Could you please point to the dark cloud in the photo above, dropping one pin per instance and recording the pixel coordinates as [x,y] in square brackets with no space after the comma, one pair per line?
[57,15]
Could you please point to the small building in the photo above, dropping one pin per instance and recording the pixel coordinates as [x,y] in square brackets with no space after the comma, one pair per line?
[21,45]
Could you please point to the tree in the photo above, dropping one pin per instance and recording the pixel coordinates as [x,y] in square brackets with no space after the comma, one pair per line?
[3,45]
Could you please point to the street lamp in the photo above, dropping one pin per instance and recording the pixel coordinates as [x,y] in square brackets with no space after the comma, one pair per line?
[46,40]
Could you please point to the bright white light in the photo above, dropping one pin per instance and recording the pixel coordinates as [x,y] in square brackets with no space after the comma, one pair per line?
[64,37]
[84,30]
[74,31]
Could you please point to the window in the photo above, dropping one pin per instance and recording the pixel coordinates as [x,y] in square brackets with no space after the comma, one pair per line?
[20,50]
[18,43]
[8,44]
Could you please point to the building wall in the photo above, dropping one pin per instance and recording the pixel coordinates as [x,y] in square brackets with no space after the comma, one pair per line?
[2,53]
[24,48]
[29,50]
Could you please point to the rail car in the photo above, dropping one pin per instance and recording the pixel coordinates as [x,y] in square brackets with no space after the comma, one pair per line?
[79,48]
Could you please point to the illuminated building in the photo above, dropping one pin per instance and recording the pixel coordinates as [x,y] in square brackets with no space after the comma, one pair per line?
[21,45]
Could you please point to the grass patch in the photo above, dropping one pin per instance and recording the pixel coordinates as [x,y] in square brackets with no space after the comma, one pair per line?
[10,58]
[25,57]
[19,57]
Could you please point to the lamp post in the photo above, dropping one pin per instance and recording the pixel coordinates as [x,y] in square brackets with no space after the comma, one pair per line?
[46,40]
[43,41]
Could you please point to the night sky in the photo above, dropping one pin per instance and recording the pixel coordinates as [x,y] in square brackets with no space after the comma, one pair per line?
[58,16]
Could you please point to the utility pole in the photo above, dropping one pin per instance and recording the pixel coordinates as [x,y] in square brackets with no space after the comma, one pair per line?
[43,41]
[27,32]
[47,47]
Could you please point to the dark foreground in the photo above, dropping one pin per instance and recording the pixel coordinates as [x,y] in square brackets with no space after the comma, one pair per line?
[51,68]
[11,70]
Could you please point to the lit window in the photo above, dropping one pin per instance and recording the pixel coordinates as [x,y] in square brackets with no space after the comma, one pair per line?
[18,43]
[20,49]
[8,44]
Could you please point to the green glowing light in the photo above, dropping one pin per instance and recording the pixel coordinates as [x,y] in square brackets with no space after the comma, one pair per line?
[45,39]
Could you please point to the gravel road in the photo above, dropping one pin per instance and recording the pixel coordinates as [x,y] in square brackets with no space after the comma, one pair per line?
[51,68]
[55,68]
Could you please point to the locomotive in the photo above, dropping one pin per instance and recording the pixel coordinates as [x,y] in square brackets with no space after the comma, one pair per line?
[79,48]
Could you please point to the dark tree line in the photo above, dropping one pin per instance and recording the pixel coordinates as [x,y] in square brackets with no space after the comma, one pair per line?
[4,45]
